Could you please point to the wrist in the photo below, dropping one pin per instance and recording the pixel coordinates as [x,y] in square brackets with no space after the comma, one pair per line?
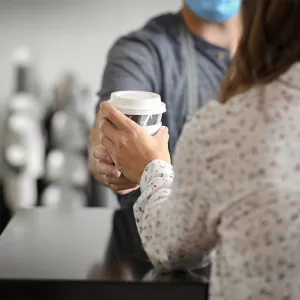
[142,170]
[157,168]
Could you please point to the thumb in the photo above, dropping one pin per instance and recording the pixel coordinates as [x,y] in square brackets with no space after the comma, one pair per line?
[162,135]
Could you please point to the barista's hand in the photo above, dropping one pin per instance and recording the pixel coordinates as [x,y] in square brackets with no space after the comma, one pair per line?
[129,145]
[102,166]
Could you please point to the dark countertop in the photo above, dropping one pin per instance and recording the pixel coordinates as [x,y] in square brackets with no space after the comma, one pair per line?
[50,244]
[74,249]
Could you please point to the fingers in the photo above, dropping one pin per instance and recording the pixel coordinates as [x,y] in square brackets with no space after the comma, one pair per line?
[114,115]
[109,131]
[108,145]
[95,148]
[98,167]
[106,169]
[94,138]
[100,162]
[119,180]
[119,185]
[100,153]
[162,134]
[120,188]
[125,192]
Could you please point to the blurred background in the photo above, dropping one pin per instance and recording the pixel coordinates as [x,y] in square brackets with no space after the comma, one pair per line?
[52,57]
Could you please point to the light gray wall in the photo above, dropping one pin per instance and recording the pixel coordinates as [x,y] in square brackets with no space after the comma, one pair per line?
[69,34]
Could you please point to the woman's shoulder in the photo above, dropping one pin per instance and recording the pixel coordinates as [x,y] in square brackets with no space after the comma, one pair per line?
[234,107]
[216,120]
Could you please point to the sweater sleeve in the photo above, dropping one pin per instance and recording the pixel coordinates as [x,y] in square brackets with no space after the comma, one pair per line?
[172,211]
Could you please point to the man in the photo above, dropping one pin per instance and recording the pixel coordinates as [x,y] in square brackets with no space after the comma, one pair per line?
[183,57]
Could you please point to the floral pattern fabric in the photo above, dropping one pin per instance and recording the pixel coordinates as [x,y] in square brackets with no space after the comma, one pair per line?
[234,190]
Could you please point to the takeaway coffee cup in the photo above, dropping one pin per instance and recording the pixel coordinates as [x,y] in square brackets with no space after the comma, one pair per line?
[144,108]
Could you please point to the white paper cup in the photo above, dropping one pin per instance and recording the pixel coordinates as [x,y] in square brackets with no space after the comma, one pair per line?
[144,108]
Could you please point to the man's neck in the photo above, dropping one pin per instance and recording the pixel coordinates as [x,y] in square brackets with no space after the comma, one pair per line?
[225,35]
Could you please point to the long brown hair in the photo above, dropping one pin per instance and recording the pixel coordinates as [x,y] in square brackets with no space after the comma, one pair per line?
[269,45]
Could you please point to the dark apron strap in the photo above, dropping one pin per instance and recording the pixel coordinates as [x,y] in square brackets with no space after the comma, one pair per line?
[190,62]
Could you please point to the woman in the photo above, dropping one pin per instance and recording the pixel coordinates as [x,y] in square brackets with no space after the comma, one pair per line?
[236,188]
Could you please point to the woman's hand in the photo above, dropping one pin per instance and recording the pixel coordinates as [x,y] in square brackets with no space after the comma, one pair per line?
[129,145]
[102,166]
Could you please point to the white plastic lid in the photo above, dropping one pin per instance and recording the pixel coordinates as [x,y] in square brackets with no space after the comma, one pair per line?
[137,103]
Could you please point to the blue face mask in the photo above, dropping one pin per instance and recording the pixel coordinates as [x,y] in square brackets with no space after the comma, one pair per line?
[214,10]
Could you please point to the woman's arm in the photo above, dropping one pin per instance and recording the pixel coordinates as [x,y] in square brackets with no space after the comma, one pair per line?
[173,216]
[172,213]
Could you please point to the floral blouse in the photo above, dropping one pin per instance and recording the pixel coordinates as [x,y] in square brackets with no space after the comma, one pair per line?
[236,191]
